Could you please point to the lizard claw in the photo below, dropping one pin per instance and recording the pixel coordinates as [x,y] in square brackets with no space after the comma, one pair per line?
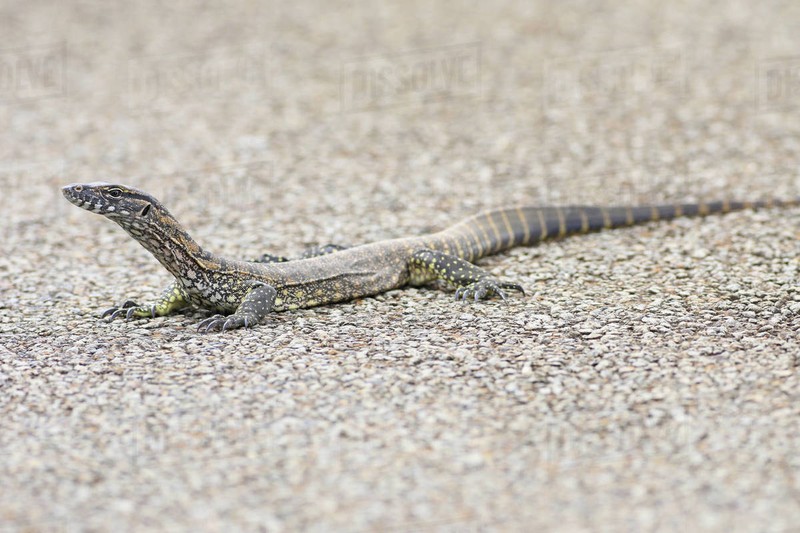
[114,311]
[210,323]
[513,286]
[222,323]
[236,321]
[151,310]
[131,310]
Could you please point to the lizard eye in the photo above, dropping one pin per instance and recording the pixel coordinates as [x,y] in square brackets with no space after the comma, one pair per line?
[115,193]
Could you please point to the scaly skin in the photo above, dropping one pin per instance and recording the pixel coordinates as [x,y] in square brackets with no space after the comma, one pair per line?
[244,292]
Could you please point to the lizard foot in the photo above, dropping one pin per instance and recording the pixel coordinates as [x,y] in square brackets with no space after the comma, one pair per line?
[255,306]
[484,288]
[222,322]
[130,309]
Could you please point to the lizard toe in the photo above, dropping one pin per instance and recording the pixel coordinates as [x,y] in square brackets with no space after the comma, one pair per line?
[117,312]
[232,323]
[513,286]
[210,323]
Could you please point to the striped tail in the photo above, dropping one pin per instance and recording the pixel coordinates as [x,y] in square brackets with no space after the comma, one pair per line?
[494,231]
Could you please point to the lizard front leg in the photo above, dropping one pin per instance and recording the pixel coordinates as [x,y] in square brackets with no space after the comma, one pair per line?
[257,303]
[172,299]
[472,281]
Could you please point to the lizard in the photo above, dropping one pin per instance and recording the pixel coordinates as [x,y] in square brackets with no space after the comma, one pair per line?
[242,293]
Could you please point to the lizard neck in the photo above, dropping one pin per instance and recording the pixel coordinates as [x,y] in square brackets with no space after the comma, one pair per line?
[164,237]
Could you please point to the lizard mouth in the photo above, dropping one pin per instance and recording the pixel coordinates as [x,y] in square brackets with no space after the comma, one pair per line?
[78,195]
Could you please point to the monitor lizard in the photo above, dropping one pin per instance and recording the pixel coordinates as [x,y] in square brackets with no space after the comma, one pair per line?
[244,292]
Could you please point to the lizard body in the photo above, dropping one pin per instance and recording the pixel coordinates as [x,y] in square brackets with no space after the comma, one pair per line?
[248,290]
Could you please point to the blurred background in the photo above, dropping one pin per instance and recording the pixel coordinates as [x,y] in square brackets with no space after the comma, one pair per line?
[456,105]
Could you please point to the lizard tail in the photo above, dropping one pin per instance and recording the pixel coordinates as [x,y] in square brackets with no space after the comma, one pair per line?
[494,231]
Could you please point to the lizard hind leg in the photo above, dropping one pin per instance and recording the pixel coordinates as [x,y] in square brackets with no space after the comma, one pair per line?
[326,249]
[270,258]
[257,304]
[471,281]
[316,251]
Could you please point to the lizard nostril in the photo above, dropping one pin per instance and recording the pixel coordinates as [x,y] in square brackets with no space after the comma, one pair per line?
[78,188]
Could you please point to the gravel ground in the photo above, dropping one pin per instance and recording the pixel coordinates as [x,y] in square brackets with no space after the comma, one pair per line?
[648,381]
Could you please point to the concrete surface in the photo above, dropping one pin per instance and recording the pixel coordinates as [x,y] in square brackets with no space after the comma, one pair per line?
[648,381]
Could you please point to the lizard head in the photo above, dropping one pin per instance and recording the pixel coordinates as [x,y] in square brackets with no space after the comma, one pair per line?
[122,204]
[139,214]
